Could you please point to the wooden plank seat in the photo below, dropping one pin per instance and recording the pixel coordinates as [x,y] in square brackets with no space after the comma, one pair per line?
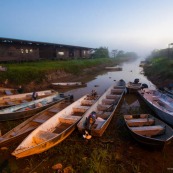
[54,110]
[69,119]
[111,96]
[116,91]
[81,109]
[129,117]
[87,102]
[140,122]
[39,120]
[43,136]
[103,115]
[108,101]
[149,130]
[102,107]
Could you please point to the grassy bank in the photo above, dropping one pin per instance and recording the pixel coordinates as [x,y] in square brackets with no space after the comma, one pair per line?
[160,70]
[24,73]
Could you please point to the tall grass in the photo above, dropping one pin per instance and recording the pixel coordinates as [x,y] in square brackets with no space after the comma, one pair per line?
[23,73]
[161,67]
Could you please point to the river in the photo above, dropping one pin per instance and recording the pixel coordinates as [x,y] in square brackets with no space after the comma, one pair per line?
[130,71]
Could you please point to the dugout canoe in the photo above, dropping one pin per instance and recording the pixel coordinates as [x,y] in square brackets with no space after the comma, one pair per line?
[16,99]
[28,109]
[54,130]
[160,103]
[23,129]
[104,108]
[148,129]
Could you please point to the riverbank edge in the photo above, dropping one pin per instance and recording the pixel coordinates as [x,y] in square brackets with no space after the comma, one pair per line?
[85,75]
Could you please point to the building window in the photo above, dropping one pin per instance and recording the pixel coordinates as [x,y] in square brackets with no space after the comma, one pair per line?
[26,51]
[22,51]
[84,52]
[31,50]
[61,53]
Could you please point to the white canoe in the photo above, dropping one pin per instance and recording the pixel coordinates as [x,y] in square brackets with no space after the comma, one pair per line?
[27,109]
[16,99]
[55,129]
[104,108]
[22,130]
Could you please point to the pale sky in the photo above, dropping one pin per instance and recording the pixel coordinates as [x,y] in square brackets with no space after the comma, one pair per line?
[129,25]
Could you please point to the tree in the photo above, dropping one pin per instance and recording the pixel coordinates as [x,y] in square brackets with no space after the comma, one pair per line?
[101,52]
[114,53]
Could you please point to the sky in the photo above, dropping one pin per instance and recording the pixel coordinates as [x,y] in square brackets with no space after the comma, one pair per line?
[130,25]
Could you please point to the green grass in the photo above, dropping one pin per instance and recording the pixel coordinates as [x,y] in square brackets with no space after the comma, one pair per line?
[160,66]
[23,73]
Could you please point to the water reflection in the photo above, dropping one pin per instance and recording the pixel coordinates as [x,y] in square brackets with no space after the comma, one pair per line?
[131,70]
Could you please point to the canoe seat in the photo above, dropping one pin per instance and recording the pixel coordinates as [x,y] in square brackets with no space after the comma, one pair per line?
[43,136]
[69,119]
[117,91]
[140,122]
[108,101]
[81,109]
[129,117]
[149,130]
[87,102]
[102,107]
[38,120]
[54,110]
[103,115]
[111,96]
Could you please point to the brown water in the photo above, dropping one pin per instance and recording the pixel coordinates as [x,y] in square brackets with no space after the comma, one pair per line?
[131,70]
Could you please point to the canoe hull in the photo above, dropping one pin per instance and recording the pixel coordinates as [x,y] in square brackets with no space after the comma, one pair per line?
[54,130]
[157,140]
[160,113]
[48,144]
[113,94]
[14,115]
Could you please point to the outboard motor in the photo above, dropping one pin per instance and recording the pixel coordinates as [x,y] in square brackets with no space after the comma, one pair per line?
[136,81]
[144,86]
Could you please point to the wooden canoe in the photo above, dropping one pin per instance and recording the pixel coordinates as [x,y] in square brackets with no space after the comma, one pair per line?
[16,99]
[68,85]
[116,68]
[160,103]
[7,91]
[55,129]
[148,130]
[104,108]
[27,109]
[22,130]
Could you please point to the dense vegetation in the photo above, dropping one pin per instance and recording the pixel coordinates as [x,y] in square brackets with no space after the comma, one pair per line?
[23,73]
[160,68]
